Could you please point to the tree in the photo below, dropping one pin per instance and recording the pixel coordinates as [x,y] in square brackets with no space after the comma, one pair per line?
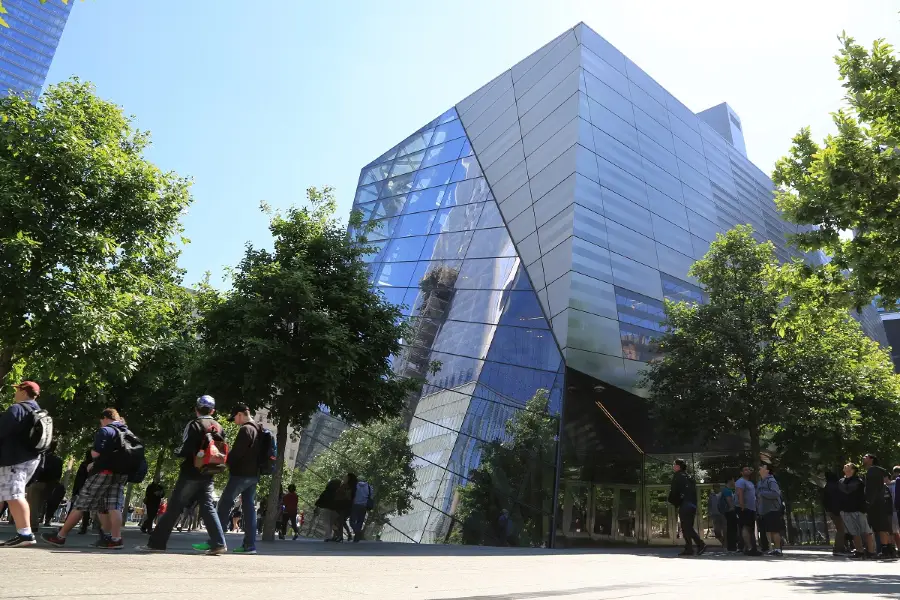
[378,453]
[769,357]
[301,328]
[851,182]
[86,240]
[515,474]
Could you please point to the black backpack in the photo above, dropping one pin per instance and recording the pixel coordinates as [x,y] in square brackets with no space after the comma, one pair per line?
[129,458]
[268,451]
[38,432]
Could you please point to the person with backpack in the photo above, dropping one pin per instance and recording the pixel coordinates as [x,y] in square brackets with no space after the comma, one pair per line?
[20,455]
[251,445]
[363,502]
[204,452]
[683,495]
[104,489]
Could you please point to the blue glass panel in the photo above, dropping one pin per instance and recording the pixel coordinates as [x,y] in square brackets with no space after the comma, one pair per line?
[677,290]
[522,309]
[376,173]
[454,370]
[366,210]
[404,249]
[448,131]
[487,273]
[407,164]
[490,243]
[525,347]
[448,271]
[393,295]
[466,192]
[380,230]
[415,143]
[447,116]
[515,383]
[457,218]
[377,248]
[521,281]
[425,200]
[491,216]
[638,343]
[434,176]
[395,274]
[389,207]
[466,168]
[467,149]
[367,193]
[447,245]
[638,309]
[414,224]
[398,185]
[443,153]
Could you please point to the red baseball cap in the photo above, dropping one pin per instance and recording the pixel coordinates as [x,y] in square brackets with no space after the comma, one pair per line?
[29,385]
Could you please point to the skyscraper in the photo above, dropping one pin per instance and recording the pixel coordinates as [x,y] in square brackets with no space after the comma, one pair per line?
[532,233]
[27,46]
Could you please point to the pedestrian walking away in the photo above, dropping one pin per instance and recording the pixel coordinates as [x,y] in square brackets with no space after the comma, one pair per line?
[683,495]
[104,489]
[363,502]
[203,452]
[20,456]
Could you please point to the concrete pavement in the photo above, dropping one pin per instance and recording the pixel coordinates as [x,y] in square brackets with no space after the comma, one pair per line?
[313,570]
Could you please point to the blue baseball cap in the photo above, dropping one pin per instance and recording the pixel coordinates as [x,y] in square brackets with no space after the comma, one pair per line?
[206,402]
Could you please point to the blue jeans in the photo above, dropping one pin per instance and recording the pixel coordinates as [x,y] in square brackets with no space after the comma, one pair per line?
[245,487]
[357,517]
[185,493]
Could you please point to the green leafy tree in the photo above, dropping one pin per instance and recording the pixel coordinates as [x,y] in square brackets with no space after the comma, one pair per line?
[86,240]
[515,474]
[301,328]
[378,453]
[771,358]
[851,181]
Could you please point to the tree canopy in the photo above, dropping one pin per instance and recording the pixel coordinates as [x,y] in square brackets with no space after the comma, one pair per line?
[851,181]
[86,239]
[771,357]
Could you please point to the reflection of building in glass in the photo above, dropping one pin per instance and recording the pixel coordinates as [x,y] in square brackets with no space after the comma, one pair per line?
[28,44]
[532,233]
[322,431]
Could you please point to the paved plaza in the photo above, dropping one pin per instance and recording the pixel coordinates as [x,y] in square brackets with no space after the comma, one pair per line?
[312,570]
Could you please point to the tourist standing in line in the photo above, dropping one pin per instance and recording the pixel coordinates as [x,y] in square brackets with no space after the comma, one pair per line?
[769,506]
[18,461]
[853,512]
[683,495]
[878,504]
[727,505]
[831,500]
[746,511]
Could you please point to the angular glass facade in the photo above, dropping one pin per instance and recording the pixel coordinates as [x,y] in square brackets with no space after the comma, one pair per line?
[27,46]
[532,233]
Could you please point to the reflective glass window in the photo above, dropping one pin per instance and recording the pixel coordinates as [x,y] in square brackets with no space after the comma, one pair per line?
[447,246]
[513,382]
[522,309]
[376,173]
[466,168]
[425,200]
[367,193]
[444,153]
[487,273]
[638,309]
[444,272]
[398,185]
[414,224]
[639,343]
[677,290]
[393,295]
[389,207]
[407,164]
[395,274]
[454,370]
[415,143]
[467,149]
[467,192]
[376,249]
[491,216]
[404,249]
[465,339]
[380,230]
[458,218]
[365,209]
[447,116]
[490,243]
[434,176]
[448,131]
[524,346]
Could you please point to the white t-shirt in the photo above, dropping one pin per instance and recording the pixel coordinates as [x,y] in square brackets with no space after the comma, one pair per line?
[749,494]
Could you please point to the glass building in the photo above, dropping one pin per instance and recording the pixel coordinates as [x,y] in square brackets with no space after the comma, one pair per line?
[531,234]
[27,46]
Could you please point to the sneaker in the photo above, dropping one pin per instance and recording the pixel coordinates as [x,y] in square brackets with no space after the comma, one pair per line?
[20,541]
[686,552]
[776,553]
[204,547]
[53,539]
[216,551]
[701,549]
[242,550]
[109,544]
[147,548]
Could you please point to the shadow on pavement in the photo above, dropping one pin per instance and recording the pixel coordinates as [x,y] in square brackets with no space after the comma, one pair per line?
[873,586]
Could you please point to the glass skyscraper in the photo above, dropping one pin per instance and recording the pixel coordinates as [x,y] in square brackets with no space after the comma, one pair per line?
[27,46]
[531,233]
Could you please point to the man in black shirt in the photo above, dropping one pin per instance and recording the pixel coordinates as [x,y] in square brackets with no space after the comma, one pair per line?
[243,476]
[878,504]
[194,483]
[683,495]
[152,499]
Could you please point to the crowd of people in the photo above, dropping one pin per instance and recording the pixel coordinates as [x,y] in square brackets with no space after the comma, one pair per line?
[748,516]
[31,473]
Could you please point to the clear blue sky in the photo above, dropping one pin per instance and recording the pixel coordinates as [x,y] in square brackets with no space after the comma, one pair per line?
[260,100]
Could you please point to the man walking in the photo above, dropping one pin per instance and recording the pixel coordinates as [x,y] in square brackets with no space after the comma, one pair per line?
[746,511]
[289,516]
[152,499]
[878,504]
[363,502]
[769,503]
[683,495]
[18,461]
[43,485]
[194,481]
[243,475]
[327,505]
[104,489]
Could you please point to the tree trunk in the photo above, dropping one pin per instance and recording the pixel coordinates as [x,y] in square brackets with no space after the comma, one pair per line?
[70,468]
[160,460]
[753,430]
[273,510]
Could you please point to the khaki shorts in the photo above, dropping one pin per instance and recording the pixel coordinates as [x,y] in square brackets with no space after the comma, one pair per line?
[856,523]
